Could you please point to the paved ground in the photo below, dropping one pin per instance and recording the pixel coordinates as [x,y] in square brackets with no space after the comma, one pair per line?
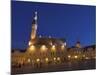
[68,66]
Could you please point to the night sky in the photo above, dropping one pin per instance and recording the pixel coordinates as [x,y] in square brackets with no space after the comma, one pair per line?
[72,22]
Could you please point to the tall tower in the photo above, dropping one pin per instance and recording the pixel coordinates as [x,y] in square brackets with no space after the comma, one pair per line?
[33,32]
[34,27]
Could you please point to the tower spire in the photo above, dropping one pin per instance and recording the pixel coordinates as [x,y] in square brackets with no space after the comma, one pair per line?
[33,33]
[35,16]
[34,26]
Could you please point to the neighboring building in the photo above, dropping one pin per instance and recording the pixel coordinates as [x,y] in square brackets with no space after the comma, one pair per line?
[90,52]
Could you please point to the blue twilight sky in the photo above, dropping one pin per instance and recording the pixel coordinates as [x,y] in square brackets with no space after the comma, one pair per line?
[72,22]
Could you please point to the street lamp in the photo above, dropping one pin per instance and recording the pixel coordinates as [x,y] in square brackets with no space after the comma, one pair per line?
[32,48]
[75,56]
[43,48]
[46,59]
[54,58]
[62,47]
[69,56]
[38,60]
[30,43]
[29,60]
[53,48]
[58,58]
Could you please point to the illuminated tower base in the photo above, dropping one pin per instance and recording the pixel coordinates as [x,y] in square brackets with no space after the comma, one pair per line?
[33,34]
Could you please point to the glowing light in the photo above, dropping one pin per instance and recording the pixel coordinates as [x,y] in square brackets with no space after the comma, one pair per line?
[58,58]
[38,60]
[87,58]
[83,55]
[63,47]
[35,16]
[54,58]
[46,59]
[32,48]
[36,12]
[30,43]
[65,43]
[53,48]
[33,34]
[75,56]
[69,56]
[43,48]
[29,60]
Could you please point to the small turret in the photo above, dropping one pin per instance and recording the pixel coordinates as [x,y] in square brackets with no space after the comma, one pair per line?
[78,45]
[34,27]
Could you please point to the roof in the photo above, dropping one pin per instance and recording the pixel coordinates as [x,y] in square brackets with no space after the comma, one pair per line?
[49,41]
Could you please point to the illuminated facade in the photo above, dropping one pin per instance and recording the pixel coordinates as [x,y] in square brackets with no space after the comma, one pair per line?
[48,50]
[44,49]
[41,49]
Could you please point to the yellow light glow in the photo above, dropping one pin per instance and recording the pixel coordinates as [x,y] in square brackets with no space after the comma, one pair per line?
[43,48]
[53,48]
[62,47]
[69,56]
[38,60]
[75,56]
[33,35]
[54,58]
[29,60]
[83,55]
[87,58]
[30,43]
[58,58]
[46,59]
[32,48]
